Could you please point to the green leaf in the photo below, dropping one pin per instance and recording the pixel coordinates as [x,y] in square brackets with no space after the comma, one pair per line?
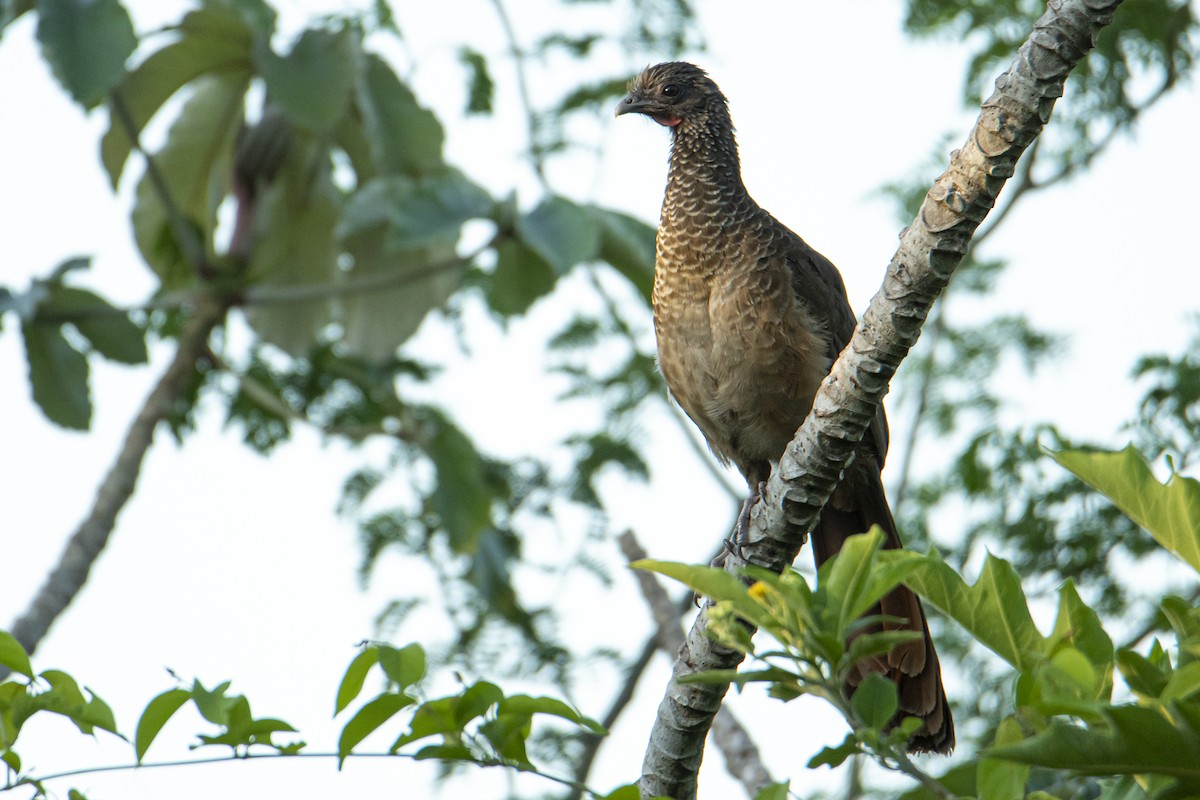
[1003,780]
[523,704]
[13,656]
[852,582]
[461,498]
[628,244]
[776,791]
[368,719]
[356,675]
[1142,676]
[450,715]
[58,375]
[481,88]
[993,610]
[627,792]
[196,164]
[109,331]
[833,757]
[561,232]
[314,81]
[404,666]
[707,581]
[404,137]
[211,40]
[520,278]
[294,245]
[1137,740]
[1183,684]
[216,706]
[1080,625]
[1170,512]
[86,43]
[875,701]
[75,794]
[157,712]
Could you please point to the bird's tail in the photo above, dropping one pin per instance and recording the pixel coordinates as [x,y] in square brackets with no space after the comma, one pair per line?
[913,666]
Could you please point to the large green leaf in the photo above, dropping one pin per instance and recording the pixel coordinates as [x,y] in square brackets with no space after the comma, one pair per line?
[294,245]
[109,331]
[628,244]
[196,164]
[58,375]
[86,43]
[211,40]
[520,278]
[1080,625]
[368,719]
[404,137]
[1170,512]
[313,82]
[355,677]
[1137,740]
[993,610]
[1003,780]
[561,232]
[404,666]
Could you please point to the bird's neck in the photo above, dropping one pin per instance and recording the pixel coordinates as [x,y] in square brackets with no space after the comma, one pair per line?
[704,179]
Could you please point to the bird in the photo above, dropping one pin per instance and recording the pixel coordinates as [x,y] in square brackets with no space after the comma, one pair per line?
[749,320]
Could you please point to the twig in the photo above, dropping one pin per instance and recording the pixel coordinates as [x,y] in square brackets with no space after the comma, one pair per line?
[531,121]
[742,757]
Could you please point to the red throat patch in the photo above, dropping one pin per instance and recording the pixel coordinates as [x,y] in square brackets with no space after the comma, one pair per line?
[666,122]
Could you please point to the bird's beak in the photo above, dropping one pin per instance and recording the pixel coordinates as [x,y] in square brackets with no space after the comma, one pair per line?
[632,103]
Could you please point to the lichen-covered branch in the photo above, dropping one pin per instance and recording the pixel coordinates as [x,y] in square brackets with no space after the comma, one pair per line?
[68,577]
[930,249]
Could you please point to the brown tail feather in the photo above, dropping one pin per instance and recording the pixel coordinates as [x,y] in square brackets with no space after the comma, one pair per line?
[855,506]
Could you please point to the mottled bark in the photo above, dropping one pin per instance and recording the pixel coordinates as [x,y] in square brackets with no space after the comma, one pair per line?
[930,249]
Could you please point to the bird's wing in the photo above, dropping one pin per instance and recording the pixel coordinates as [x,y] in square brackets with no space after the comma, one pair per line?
[819,285]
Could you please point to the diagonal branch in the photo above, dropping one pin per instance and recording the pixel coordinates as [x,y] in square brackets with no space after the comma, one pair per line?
[67,578]
[930,249]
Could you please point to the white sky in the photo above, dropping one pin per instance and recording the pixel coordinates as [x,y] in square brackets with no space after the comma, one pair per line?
[229,566]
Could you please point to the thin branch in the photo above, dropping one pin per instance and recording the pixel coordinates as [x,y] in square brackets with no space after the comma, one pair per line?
[742,757]
[185,235]
[531,121]
[66,580]
[930,249]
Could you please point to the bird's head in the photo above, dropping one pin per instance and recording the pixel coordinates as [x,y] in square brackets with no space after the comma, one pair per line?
[671,93]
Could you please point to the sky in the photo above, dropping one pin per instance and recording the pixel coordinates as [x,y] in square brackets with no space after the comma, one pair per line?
[226,565]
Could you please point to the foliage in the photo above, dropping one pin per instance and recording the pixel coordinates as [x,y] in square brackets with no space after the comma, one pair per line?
[1063,716]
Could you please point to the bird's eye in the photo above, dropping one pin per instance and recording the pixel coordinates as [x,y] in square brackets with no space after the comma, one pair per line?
[670,90]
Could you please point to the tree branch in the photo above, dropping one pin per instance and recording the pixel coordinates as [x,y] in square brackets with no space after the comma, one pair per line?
[84,546]
[930,249]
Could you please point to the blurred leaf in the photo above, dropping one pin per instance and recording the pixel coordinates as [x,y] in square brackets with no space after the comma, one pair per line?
[403,666]
[1142,676]
[368,719]
[356,675]
[294,246]
[776,791]
[404,137]
[1170,513]
[211,40]
[833,757]
[628,244]
[215,706]
[58,375]
[461,498]
[314,81]
[875,700]
[520,278]
[561,232]
[157,712]
[196,164]
[481,88]
[13,656]
[86,43]
[1003,780]
[110,332]
[449,716]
